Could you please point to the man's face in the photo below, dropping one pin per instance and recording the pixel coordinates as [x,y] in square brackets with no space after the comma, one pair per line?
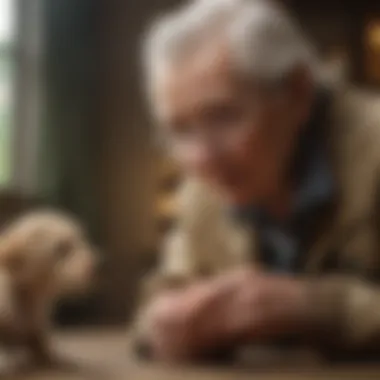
[229,132]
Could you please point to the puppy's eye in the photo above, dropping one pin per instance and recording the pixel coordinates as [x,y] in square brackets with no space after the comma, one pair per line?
[64,249]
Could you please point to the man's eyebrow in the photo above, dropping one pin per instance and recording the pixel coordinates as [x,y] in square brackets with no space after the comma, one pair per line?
[217,100]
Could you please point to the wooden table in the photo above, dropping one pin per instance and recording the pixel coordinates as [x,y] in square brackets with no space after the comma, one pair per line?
[103,355]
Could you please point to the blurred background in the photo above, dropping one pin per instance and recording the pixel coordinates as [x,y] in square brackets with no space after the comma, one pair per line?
[75,132]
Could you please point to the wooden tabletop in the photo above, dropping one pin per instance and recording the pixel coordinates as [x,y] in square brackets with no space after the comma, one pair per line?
[103,355]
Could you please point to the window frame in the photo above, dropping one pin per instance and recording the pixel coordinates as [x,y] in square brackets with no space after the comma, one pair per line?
[28,96]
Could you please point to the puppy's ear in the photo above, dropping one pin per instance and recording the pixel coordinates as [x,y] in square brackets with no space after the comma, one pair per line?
[11,257]
[15,263]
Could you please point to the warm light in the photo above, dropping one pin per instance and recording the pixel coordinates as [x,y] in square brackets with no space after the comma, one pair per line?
[374,35]
[166,206]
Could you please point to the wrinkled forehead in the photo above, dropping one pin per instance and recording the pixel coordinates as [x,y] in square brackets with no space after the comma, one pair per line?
[190,82]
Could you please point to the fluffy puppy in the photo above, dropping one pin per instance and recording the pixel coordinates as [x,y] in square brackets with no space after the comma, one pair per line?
[206,242]
[43,255]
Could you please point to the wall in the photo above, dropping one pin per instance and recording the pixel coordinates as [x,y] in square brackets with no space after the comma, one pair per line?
[326,22]
[126,157]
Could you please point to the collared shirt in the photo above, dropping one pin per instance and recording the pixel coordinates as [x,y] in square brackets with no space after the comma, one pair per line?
[281,244]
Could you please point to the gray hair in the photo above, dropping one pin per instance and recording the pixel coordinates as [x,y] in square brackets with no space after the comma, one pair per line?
[265,41]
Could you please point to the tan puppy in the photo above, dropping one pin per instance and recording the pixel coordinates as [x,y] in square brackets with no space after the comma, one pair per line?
[43,255]
[205,243]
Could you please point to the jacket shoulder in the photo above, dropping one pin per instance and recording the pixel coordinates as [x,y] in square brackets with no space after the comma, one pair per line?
[356,123]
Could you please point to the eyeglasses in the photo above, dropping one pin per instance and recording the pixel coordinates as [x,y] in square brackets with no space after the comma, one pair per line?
[218,126]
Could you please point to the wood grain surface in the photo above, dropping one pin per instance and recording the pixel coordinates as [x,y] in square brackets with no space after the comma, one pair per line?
[104,355]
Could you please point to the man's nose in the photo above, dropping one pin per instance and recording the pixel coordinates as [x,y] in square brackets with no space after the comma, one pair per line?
[204,156]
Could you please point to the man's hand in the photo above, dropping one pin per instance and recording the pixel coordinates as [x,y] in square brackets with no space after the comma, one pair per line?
[237,308]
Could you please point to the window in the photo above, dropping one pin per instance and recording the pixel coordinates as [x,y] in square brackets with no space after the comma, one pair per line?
[21,31]
[7,86]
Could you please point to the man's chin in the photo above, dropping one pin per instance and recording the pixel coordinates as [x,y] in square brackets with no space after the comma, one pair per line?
[234,195]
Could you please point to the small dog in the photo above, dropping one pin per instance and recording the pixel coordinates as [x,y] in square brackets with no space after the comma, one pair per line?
[204,244]
[43,255]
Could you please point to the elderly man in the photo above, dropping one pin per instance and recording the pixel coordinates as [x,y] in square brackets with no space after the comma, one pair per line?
[235,88]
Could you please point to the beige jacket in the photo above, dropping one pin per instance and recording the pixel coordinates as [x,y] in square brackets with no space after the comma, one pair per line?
[346,301]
